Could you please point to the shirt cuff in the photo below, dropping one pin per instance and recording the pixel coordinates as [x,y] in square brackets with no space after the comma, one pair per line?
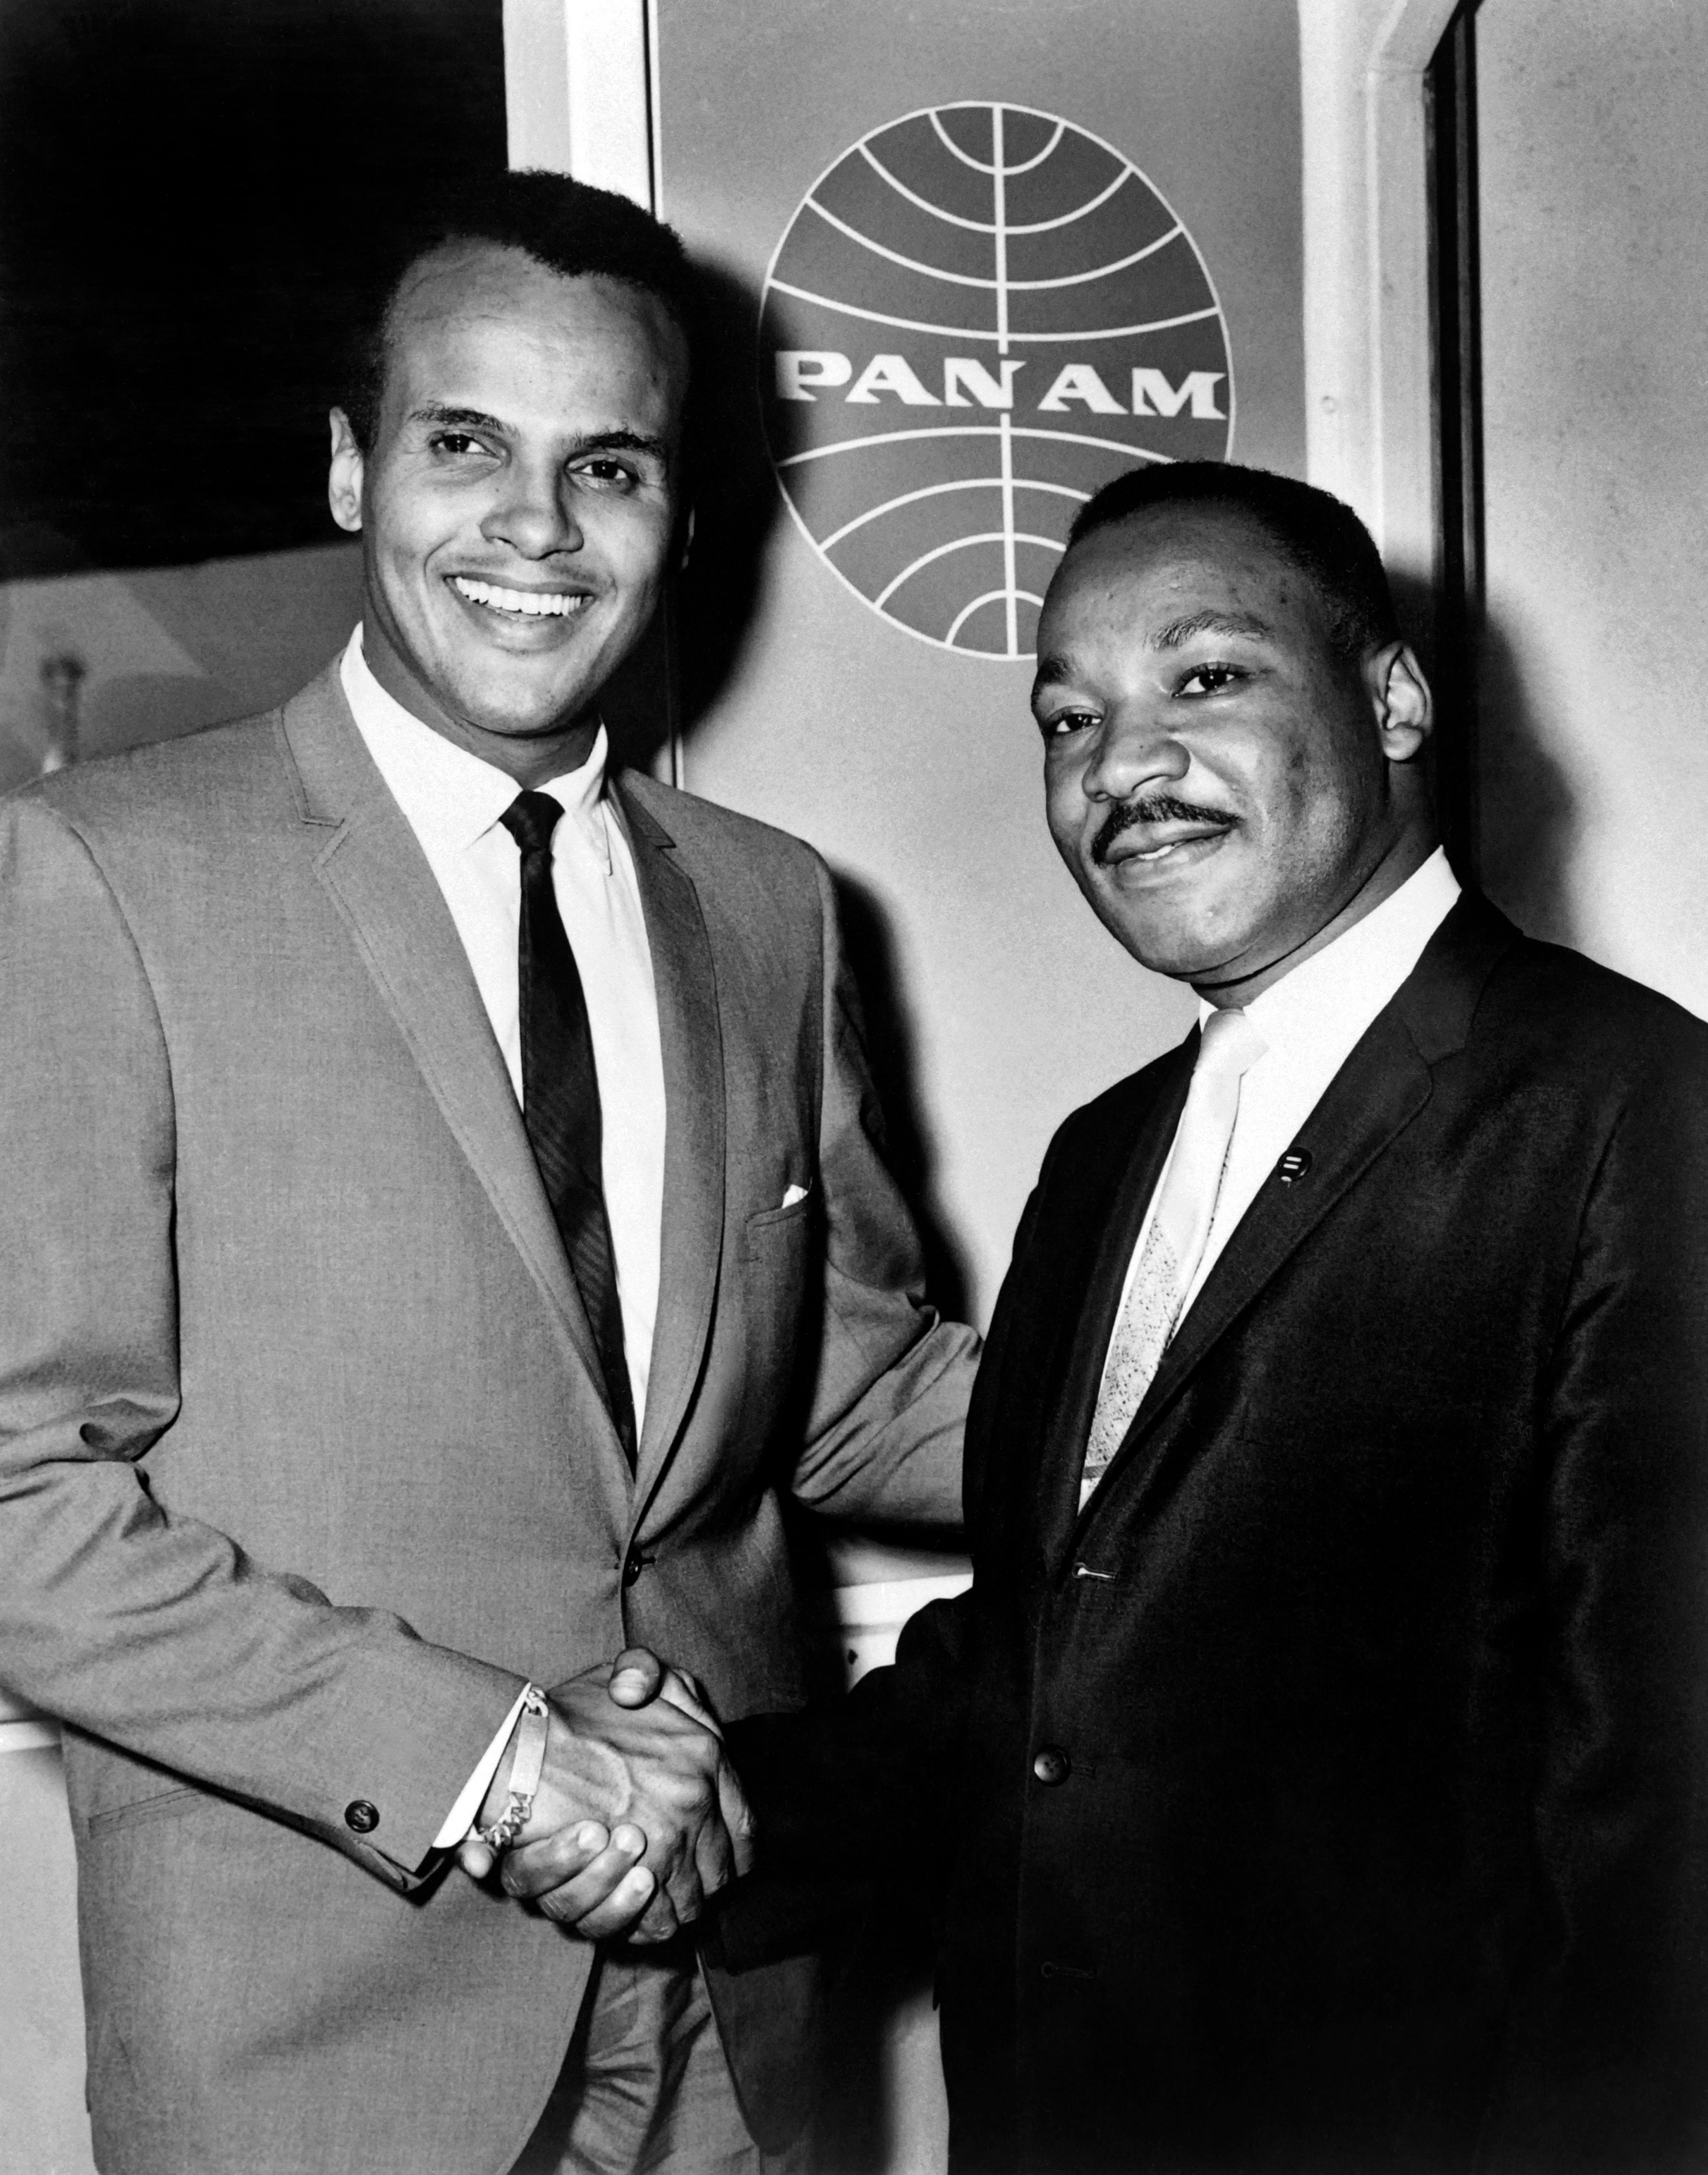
[466,1811]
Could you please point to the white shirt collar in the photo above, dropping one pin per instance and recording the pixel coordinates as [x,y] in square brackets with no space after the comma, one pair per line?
[1348,982]
[446,793]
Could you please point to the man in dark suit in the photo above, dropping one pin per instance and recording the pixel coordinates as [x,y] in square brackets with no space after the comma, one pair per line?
[443,1216]
[1316,1777]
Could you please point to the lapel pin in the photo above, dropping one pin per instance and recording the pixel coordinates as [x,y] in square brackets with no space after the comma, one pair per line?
[1293,1166]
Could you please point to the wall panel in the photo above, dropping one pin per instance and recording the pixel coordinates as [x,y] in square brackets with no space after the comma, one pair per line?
[1594,207]
[1000,1003]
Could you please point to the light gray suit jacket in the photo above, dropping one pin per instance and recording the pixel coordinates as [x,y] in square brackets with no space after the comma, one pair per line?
[303,1465]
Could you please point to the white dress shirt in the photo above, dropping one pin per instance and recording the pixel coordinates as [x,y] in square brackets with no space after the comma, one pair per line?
[453,801]
[1310,1021]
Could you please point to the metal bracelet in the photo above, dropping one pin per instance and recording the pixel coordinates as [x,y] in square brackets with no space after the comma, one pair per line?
[525,1768]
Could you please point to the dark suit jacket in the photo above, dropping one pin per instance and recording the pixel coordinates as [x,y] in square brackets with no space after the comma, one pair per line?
[304,1457]
[1332,1795]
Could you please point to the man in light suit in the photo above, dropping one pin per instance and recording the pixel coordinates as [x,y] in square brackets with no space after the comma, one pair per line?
[444,1215]
[1316,1777]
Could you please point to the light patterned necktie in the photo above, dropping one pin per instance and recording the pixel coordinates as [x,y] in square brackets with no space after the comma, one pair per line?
[1175,1236]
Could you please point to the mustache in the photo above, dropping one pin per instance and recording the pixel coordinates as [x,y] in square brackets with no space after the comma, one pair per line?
[1152,808]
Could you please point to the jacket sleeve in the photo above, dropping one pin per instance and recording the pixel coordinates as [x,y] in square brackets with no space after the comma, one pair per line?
[883,1436]
[853,1797]
[139,1626]
[1607,2067]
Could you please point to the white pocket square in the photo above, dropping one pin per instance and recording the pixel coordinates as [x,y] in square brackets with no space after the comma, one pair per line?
[792,1194]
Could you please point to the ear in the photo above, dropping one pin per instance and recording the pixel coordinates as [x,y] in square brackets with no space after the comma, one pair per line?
[1400,700]
[687,541]
[344,480]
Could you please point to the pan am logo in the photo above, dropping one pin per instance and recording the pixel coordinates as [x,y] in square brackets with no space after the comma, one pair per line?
[977,315]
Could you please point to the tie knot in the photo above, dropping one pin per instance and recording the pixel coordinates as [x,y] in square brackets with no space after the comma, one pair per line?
[530,819]
[1229,1045]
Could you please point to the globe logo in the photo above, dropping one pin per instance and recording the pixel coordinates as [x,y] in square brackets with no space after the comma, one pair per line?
[977,317]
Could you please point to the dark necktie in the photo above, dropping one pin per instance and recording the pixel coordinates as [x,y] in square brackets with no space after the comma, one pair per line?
[559,1096]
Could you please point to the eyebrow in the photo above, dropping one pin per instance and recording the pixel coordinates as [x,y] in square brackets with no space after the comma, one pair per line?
[474,418]
[617,441]
[1179,632]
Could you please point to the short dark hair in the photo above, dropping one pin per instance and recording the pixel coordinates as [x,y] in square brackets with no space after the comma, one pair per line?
[567,226]
[1312,530]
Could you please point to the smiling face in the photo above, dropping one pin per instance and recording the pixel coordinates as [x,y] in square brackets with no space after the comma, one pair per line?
[1229,792]
[519,506]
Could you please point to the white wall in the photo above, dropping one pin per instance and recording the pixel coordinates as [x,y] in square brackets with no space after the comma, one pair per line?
[1595,297]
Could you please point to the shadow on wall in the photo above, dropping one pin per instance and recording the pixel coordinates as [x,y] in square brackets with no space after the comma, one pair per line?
[1506,805]
[891,1051]
[735,494]
[693,653]
[1528,818]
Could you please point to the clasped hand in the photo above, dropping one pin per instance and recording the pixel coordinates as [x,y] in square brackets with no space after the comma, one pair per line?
[638,1816]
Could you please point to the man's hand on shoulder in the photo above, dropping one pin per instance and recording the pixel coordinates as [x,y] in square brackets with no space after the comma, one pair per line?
[638,1816]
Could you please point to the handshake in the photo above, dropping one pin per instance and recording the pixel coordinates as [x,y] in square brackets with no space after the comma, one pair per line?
[637,1816]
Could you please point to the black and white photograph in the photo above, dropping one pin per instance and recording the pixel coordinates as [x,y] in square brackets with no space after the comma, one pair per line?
[853,1088]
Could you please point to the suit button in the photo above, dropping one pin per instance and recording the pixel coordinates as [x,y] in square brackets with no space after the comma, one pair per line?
[634,1563]
[1052,1765]
[360,1816]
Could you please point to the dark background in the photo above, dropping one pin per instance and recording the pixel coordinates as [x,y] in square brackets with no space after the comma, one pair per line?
[160,409]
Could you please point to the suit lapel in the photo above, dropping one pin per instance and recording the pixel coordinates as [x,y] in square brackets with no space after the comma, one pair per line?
[1073,1367]
[689,1029]
[378,878]
[1381,1088]
[1377,1093]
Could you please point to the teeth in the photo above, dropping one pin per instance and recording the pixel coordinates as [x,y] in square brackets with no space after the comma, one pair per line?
[526,603]
[1155,853]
